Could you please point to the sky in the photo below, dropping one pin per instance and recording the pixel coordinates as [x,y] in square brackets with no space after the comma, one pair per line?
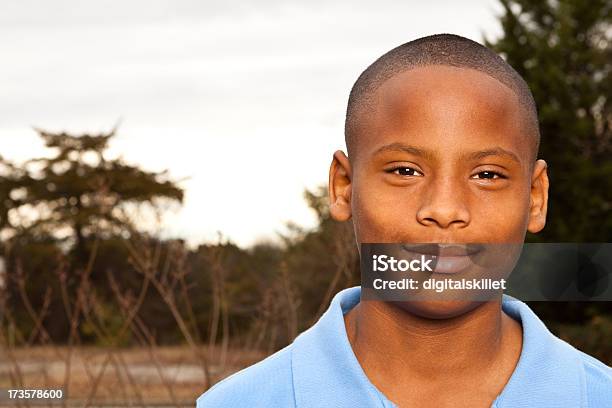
[242,101]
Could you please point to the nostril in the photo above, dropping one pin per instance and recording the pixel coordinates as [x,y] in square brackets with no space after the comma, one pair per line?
[428,221]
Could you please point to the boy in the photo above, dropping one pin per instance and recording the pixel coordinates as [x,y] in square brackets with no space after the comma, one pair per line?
[442,139]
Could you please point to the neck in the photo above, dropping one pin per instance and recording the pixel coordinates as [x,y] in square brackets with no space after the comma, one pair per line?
[394,346]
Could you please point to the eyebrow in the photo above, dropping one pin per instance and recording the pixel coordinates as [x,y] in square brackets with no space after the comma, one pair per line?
[496,151]
[401,147]
[430,155]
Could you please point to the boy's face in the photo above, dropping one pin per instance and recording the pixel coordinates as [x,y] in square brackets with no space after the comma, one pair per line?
[443,158]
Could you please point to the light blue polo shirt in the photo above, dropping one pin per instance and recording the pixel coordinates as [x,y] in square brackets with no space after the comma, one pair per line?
[319,369]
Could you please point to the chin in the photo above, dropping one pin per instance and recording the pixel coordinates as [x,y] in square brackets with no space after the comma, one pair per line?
[437,309]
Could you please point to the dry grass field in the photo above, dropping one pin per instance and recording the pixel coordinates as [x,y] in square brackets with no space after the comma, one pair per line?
[92,376]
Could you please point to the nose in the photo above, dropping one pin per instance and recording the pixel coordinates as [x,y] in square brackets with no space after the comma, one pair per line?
[444,205]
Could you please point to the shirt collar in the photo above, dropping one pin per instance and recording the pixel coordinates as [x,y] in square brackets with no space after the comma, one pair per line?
[548,371]
[326,372]
[325,369]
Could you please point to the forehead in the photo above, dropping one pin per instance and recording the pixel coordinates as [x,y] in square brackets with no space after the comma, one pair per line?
[446,108]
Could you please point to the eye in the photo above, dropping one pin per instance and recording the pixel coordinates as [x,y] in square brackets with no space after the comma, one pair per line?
[488,175]
[404,171]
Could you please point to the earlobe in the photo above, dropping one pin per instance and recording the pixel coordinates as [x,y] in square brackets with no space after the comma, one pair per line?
[538,197]
[340,187]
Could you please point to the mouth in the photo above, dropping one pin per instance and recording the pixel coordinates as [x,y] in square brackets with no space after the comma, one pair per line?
[447,258]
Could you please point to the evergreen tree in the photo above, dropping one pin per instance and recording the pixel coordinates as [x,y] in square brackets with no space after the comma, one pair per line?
[79,191]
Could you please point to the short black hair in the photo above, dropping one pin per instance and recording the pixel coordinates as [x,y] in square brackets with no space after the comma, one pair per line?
[440,49]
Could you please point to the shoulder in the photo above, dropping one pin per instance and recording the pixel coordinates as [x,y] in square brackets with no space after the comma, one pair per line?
[554,370]
[597,376]
[265,384]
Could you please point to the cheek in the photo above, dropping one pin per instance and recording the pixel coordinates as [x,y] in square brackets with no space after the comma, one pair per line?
[502,218]
[383,214]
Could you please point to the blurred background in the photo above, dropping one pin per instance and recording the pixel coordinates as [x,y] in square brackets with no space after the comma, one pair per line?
[163,176]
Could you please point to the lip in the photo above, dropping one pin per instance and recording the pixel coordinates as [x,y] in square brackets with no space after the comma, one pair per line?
[451,264]
[443,250]
[447,258]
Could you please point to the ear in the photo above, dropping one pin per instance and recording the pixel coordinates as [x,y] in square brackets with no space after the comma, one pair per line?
[340,187]
[538,197]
